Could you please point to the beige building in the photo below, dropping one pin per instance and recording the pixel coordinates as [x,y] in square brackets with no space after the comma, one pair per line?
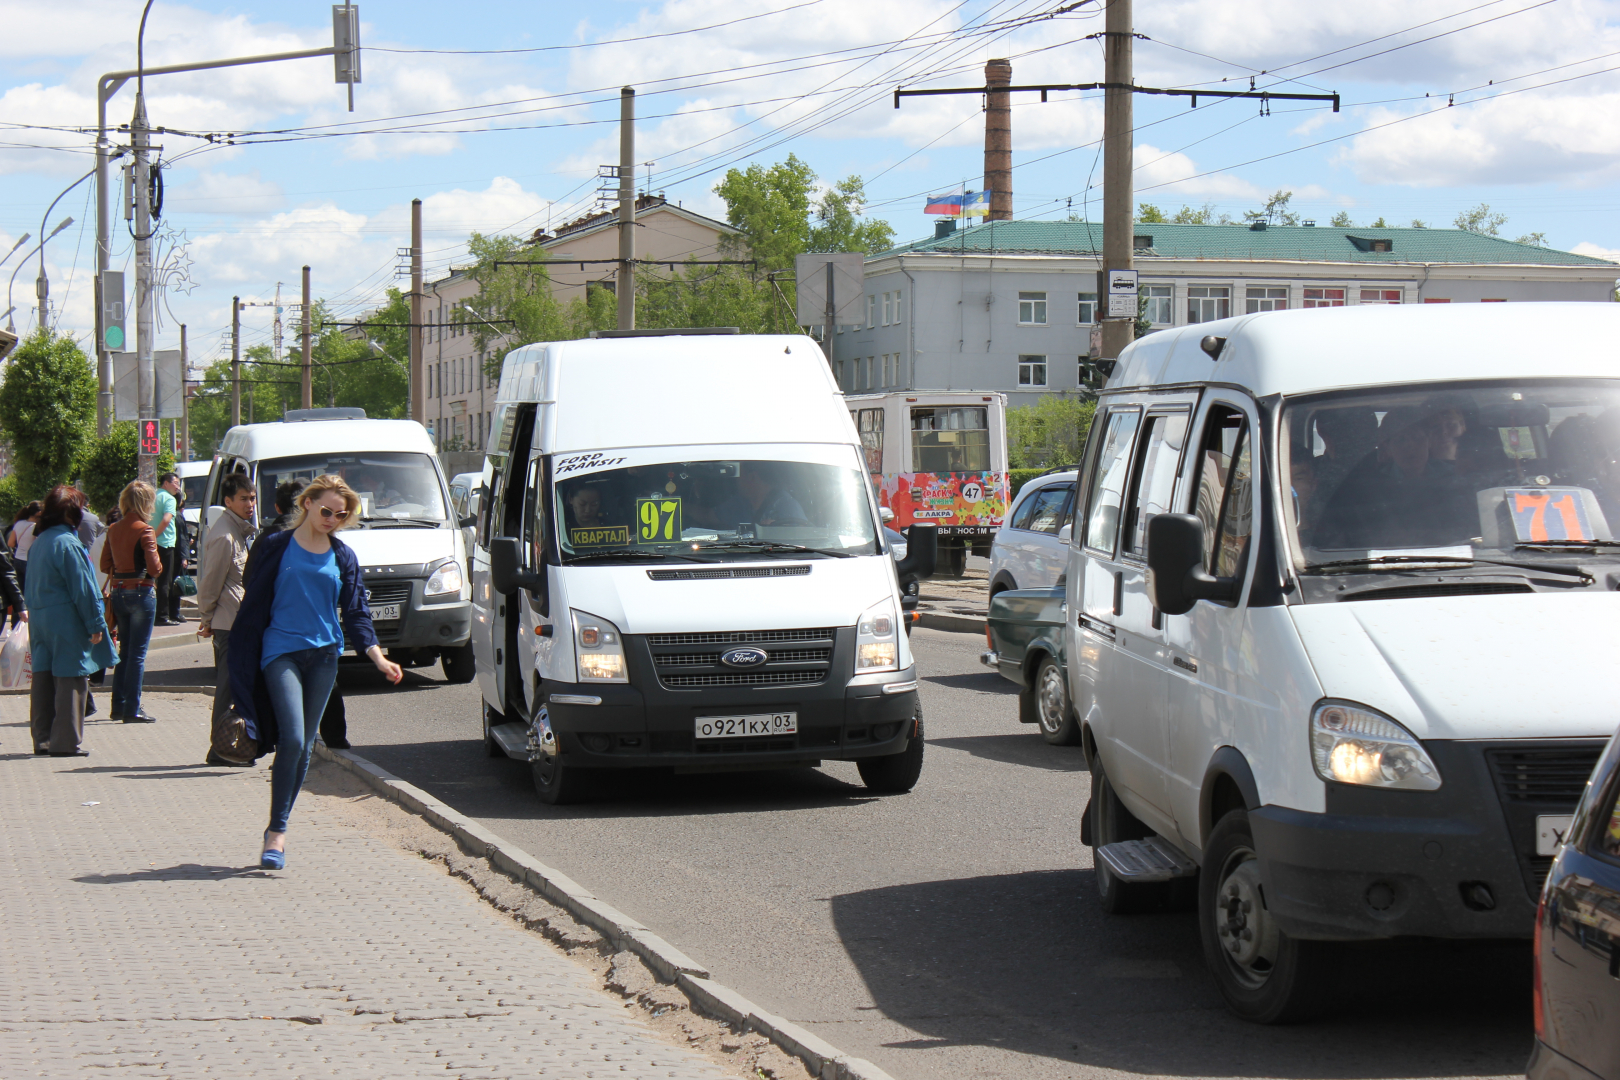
[662,232]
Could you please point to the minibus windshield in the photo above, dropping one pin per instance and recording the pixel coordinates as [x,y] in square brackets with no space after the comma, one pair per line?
[1524,471]
[392,486]
[717,509]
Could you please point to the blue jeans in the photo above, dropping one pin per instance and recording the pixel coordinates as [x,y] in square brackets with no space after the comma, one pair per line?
[299,684]
[133,611]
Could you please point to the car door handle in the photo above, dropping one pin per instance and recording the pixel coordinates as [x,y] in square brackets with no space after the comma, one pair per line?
[1096,626]
[1189,666]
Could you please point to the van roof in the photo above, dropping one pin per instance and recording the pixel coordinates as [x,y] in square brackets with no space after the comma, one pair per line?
[257,442]
[678,390]
[1298,352]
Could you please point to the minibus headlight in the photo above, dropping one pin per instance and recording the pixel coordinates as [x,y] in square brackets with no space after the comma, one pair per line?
[877,643]
[598,649]
[446,579]
[1352,744]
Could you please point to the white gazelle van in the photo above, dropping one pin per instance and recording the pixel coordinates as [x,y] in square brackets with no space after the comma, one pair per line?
[680,564]
[411,547]
[1343,624]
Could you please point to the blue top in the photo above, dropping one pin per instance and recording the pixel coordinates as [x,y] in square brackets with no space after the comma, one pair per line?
[303,614]
[162,504]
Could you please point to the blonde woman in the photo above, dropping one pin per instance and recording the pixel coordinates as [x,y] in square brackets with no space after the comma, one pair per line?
[301,591]
[129,558]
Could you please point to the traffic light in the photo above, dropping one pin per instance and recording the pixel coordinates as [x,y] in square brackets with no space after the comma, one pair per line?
[151,440]
[112,310]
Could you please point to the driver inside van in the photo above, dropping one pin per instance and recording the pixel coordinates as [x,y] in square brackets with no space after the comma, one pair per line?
[584,505]
[760,500]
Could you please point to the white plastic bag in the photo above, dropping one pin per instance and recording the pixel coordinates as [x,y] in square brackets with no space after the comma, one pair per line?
[16,669]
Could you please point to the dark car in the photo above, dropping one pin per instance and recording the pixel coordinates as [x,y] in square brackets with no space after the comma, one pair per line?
[1577,973]
[1025,635]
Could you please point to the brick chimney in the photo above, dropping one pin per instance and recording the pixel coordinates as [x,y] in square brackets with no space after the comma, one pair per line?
[998,140]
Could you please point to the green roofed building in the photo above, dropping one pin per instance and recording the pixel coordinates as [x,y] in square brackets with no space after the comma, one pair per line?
[1009,305]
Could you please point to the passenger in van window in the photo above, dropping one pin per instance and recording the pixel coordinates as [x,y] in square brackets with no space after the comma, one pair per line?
[1446,426]
[1586,455]
[585,507]
[1348,436]
[759,499]
[1402,496]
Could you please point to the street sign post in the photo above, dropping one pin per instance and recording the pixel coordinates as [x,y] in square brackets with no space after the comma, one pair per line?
[1121,290]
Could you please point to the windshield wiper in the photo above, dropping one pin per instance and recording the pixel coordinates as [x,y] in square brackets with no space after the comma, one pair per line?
[1554,545]
[1406,562]
[615,553]
[772,546]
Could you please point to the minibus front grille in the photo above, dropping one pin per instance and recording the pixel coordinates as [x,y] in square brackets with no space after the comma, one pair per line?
[729,573]
[790,658]
[751,678]
[775,656]
[1538,779]
[389,592]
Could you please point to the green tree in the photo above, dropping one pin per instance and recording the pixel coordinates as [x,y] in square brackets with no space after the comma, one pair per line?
[517,299]
[1148,214]
[47,410]
[770,207]
[1341,220]
[110,462]
[1534,239]
[1050,433]
[1275,212]
[1416,224]
[1480,220]
[840,226]
[1380,223]
[1204,215]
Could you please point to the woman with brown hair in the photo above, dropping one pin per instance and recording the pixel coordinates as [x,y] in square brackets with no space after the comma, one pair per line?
[286,639]
[67,634]
[21,537]
[129,558]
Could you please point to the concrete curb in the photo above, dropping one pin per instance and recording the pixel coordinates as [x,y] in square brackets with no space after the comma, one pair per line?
[146,688]
[622,932]
[961,624]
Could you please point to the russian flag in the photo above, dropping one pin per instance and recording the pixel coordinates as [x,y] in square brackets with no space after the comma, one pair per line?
[948,205]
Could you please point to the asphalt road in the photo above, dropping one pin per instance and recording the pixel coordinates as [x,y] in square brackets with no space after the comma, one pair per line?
[949,933]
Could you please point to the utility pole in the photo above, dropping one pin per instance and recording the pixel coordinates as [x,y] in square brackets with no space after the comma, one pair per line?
[236,361]
[828,327]
[146,375]
[185,399]
[306,394]
[1118,189]
[418,383]
[275,328]
[626,287]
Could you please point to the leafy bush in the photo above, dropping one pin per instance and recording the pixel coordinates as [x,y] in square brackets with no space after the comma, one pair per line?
[1050,433]
[1017,478]
[47,410]
[110,463]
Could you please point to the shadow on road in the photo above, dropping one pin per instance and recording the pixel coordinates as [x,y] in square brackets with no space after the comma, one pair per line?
[1023,747]
[183,872]
[981,682]
[1027,963]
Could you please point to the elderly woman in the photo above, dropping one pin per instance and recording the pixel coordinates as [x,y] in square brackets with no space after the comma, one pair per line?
[67,633]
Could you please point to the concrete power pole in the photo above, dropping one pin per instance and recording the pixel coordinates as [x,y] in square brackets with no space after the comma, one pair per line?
[236,361]
[146,375]
[1118,190]
[998,140]
[418,383]
[306,393]
[626,286]
[185,400]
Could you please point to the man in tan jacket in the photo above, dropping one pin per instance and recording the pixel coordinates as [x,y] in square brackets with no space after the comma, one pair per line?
[219,594]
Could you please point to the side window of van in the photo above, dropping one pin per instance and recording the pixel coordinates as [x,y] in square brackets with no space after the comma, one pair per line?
[487,517]
[1225,498]
[1106,490]
[1157,460]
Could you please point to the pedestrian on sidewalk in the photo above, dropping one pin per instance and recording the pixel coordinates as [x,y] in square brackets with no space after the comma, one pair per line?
[166,523]
[219,597]
[21,538]
[11,595]
[335,717]
[67,633]
[286,639]
[129,558]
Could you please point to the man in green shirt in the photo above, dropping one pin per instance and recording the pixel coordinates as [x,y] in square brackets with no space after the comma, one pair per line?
[165,522]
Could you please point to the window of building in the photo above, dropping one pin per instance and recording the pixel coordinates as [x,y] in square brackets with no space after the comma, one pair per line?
[871,362]
[1031,309]
[1032,371]
[1087,313]
[888,307]
[1258,298]
[897,299]
[871,310]
[1380,296]
[870,424]
[1496,300]
[1436,300]
[1315,298]
[1206,303]
[950,439]
[1160,304]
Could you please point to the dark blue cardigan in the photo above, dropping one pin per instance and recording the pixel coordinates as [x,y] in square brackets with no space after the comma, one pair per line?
[249,697]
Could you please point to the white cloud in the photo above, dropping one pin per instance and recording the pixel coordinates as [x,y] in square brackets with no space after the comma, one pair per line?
[1586,247]
[212,192]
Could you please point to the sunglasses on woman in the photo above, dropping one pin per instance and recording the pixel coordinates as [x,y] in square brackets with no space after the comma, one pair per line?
[328,514]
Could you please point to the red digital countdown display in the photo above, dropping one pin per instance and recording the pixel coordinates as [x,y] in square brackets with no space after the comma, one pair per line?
[151,442]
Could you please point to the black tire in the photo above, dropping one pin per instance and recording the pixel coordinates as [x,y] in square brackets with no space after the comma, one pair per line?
[1052,712]
[896,774]
[1265,976]
[1111,823]
[458,664]
[491,718]
[953,561]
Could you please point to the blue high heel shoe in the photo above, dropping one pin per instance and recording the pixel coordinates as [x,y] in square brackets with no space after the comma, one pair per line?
[272,860]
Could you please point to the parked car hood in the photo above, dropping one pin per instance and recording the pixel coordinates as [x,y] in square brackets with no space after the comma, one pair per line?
[1473,667]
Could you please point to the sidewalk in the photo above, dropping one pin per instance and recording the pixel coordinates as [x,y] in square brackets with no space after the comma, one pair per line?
[140,935]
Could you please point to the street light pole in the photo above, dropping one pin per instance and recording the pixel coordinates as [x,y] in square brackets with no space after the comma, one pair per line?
[11,326]
[42,286]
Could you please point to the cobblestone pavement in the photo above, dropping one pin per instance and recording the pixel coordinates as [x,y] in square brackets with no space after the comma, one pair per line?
[140,935]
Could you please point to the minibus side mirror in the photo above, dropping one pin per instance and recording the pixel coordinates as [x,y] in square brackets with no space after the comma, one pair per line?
[1175,558]
[506,570]
[467,522]
[922,545]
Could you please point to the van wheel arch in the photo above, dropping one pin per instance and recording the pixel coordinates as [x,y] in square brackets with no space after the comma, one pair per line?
[1004,583]
[1228,785]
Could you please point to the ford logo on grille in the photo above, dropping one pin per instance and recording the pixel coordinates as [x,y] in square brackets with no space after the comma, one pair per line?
[743,657]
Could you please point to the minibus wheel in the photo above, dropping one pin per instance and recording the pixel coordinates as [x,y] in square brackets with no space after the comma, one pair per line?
[1052,713]
[458,664]
[1265,976]
[896,774]
[1111,823]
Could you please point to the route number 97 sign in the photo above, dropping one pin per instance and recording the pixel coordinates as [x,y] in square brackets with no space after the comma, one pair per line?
[658,520]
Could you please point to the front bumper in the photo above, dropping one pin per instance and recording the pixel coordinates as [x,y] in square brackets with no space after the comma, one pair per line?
[647,723]
[437,622]
[1458,862]
[1548,1064]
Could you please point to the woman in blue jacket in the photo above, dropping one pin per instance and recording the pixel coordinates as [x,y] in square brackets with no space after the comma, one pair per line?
[301,591]
[67,628]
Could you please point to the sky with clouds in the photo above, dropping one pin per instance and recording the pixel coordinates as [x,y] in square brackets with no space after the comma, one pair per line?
[496,115]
